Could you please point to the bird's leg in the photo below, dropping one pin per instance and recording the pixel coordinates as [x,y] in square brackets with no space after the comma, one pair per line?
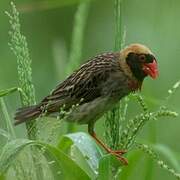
[117,153]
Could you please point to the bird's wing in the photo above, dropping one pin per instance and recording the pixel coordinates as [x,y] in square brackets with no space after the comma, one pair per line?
[85,84]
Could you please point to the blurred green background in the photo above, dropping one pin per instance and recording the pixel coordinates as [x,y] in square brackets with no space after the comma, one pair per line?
[48,31]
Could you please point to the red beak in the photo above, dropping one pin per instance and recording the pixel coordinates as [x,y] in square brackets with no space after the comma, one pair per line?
[151,69]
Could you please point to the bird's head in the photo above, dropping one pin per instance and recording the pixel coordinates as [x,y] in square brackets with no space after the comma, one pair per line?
[141,61]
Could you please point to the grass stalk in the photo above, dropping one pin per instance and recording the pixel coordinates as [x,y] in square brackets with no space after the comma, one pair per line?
[118,24]
[151,135]
[80,20]
[18,45]
[114,118]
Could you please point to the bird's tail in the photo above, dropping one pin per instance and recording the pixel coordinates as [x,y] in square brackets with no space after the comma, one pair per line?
[27,114]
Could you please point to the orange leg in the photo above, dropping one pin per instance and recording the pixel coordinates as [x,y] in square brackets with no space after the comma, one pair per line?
[117,153]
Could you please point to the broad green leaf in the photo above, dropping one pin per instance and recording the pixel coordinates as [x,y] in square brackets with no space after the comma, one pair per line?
[108,166]
[62,164]
[105,172]
[81,160]
[168,154]
[83,150]
[8,91]
[68,167]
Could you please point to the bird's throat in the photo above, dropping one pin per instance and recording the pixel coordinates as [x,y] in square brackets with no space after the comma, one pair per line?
[135,85]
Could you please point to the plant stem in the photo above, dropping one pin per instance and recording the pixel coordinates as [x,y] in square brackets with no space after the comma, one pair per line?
[18,45]
[80,20]
[114,117]
[118,24]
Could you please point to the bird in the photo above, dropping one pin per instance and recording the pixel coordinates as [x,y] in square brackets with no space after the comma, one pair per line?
[96,87]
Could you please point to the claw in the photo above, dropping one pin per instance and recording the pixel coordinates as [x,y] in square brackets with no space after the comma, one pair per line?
[123,160]
[118,154]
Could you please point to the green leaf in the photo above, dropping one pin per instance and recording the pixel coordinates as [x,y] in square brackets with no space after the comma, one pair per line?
[109,166]
[8,91]
[83,150]
[63,166]
[133,158]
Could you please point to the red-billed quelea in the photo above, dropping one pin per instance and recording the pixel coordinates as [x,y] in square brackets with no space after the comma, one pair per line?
[96,86]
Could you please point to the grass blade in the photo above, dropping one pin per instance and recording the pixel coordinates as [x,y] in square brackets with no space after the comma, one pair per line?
[8,91]
[9,125]
[4,134]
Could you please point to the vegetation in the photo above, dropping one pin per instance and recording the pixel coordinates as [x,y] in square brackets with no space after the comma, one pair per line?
[76,155]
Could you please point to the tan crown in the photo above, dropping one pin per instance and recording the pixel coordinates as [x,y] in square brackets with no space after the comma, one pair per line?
[135,48]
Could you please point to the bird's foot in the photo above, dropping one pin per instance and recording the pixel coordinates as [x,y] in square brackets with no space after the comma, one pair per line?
[118,154]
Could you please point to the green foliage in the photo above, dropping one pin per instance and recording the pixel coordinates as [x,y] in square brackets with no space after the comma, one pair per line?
[84,151]
[77,156]
[4,134]
[109,168]
[18,45]
[115,118]
[61,162]
[80,20]
[119,134]
[8,91]
[113,127]
[167,154]
[134,125]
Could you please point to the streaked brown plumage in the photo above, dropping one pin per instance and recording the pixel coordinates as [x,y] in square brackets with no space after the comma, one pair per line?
[97,86]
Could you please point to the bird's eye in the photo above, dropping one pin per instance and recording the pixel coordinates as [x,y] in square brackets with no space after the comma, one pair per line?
[142,58]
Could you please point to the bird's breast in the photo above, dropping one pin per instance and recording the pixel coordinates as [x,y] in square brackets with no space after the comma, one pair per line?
[117,86]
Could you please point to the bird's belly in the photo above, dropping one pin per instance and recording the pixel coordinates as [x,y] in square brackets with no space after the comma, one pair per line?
[91,111]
